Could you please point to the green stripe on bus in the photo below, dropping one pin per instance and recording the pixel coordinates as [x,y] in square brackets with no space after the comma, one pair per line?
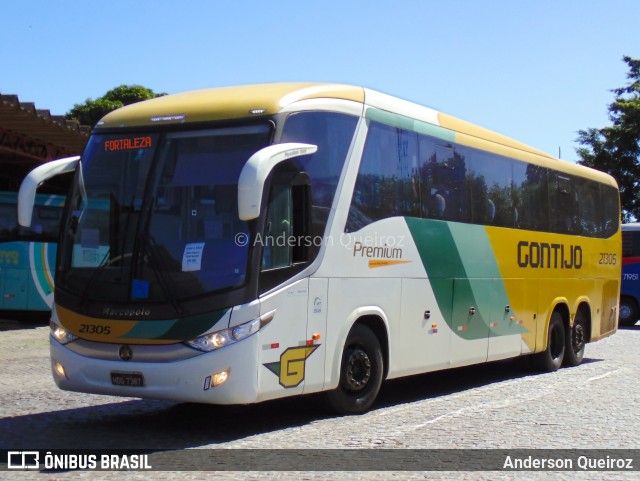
[195,326]
[149,329]
[407,123]
[176,329]
[485,279]
[440,258]
[459,260]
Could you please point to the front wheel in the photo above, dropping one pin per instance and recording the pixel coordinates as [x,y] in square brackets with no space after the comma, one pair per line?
[551,358]
[360,373]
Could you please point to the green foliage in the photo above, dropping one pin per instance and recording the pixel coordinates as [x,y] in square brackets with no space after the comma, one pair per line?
[91,111]
[616,149]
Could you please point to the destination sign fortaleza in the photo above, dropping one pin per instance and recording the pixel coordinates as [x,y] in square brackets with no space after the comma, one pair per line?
[114,145]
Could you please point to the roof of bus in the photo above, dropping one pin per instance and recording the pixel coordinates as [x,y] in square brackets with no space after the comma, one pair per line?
[225,103]
[631,226]
[267,99]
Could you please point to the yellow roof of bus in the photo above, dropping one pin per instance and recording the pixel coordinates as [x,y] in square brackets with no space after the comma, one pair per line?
[225,103]
[267,99]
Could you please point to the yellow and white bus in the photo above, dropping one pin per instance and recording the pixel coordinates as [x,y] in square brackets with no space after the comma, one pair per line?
[240,244]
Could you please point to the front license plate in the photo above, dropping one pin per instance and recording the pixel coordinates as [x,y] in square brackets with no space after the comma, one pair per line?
[135,379]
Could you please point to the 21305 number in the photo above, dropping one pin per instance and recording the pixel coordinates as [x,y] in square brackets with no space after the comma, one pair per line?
[95,329]
[608,259]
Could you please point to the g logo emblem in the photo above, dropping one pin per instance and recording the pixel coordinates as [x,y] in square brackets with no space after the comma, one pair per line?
[290,368]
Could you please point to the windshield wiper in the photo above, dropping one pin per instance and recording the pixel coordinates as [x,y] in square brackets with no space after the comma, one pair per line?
[84,297]
[121,238]
[147,242]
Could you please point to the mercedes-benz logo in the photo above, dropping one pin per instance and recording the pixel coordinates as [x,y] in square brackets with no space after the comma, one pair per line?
[125,353]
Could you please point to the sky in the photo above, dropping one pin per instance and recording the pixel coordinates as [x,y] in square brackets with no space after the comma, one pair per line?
[537,71]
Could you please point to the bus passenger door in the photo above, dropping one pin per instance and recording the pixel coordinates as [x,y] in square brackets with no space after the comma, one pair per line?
[286,346]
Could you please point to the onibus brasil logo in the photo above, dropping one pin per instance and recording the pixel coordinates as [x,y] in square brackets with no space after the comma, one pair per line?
[290,368]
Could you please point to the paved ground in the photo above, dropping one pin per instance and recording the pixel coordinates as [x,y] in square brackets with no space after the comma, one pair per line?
[500,405]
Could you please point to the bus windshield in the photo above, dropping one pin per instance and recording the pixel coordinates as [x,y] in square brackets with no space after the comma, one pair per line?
[154,216]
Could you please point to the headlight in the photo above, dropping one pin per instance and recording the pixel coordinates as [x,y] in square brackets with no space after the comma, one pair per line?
[60,334]
[246,329]
[216,340]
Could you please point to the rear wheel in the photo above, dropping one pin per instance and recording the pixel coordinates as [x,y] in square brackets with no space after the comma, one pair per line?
[576,341]
[551,358]
[360,372]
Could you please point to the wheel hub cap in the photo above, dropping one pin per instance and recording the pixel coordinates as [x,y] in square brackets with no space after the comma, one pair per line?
[358,370]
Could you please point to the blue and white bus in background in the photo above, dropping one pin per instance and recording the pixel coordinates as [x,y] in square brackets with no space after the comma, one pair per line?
[28,254]
[630,289]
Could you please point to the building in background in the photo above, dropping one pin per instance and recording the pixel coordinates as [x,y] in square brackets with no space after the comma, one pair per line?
[28,138]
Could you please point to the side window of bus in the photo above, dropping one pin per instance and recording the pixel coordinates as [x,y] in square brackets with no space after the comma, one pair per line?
[8,221]
[46,222]
[630,243]
[388,182]
[332,133]
[444,194]
[627,243]
[443,168]
[47,212]
[276,252]
[531,198]
[563,204]
[286,242]
[490,181]
[610,211]
[635,249]
[590,207]
[462,184]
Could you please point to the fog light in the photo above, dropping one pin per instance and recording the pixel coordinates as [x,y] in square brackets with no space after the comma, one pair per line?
[220,377]
[59,369]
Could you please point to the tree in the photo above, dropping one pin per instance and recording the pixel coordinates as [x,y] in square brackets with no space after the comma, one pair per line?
[91,111]
[616,149]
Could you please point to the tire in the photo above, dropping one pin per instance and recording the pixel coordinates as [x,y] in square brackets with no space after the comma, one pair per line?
[360,373]
[628,312]
[551,358]
[576,341]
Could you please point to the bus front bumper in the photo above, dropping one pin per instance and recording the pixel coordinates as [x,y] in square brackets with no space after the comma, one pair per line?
[188,380]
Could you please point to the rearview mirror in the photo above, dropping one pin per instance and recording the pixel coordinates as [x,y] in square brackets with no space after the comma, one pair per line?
[30,184]
[257,169]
